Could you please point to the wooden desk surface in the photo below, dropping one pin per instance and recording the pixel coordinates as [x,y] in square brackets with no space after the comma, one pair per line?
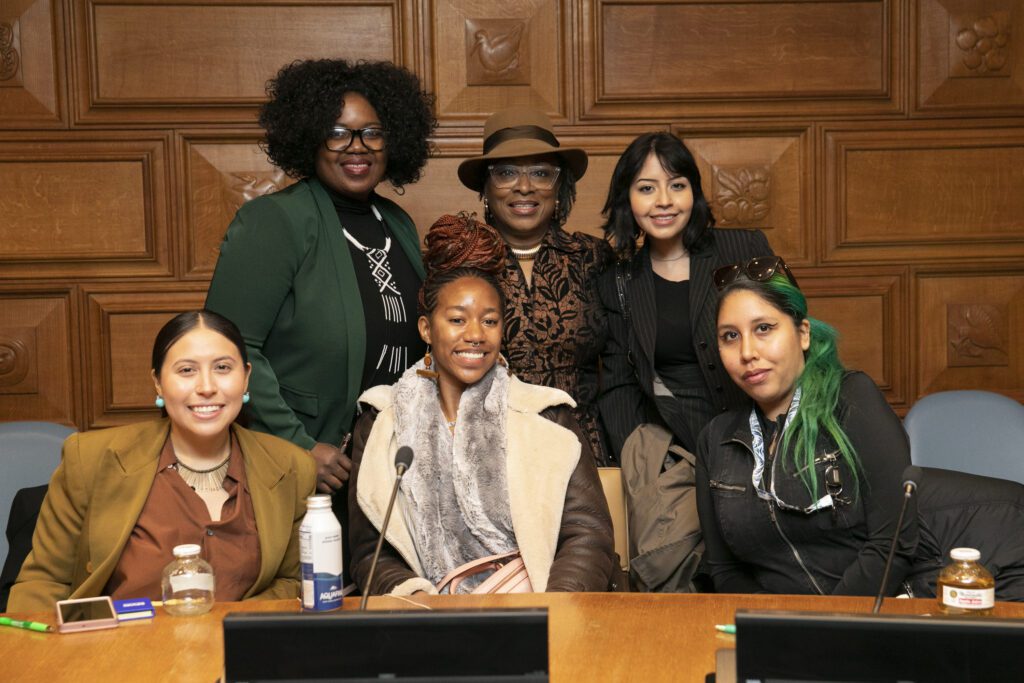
[593,636]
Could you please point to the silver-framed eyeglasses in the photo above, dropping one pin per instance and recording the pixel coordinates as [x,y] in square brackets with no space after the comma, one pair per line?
[340,138]
[539,176]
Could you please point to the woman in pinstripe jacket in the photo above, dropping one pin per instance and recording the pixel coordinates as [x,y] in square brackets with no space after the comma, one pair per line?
[661,361]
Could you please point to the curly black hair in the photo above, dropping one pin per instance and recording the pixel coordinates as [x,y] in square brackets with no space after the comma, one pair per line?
[305,101]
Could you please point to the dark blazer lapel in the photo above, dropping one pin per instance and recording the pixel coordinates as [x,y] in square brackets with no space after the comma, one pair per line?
[348,288]
[642,306]
[701,267]
[405,234]
[120,491]
[267,474]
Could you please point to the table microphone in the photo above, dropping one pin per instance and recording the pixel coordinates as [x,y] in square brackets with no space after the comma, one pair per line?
[911,476]
[403,459]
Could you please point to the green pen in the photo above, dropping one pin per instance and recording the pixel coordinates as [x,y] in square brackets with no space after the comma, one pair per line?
[29,625]
[726,628]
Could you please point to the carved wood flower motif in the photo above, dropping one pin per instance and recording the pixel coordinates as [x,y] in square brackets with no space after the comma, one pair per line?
[8,53]
[742,197]
[984,45]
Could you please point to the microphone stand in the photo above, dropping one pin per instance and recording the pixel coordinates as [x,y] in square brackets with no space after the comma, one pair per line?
[909,487]
[400,469]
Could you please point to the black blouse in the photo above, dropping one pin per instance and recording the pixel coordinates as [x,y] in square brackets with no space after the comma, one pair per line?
[388,287]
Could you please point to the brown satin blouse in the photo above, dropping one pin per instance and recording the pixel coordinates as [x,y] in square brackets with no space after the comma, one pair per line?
[173,515]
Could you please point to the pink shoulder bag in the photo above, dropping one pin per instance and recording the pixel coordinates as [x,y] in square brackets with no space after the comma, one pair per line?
[509,575]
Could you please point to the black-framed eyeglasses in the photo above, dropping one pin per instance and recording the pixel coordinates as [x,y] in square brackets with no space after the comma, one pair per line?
[540,176]
[340,138]
[759,269]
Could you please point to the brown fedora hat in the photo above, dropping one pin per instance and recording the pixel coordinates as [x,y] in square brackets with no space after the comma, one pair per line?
[519,132]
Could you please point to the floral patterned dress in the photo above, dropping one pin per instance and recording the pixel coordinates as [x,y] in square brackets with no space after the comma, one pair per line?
[555,328]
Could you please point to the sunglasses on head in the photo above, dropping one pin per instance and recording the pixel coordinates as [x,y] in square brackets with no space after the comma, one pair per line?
[759,269]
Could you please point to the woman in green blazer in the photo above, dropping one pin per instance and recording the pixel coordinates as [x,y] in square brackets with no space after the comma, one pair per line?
[122,498]
[322,276]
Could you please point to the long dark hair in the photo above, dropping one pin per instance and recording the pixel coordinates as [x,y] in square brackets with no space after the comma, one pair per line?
[620,228]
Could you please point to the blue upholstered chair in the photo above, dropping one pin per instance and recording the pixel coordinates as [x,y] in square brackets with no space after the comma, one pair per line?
[29,453]
[979,432]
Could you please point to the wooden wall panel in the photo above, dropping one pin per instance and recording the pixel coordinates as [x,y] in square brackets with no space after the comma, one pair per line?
[149,61]
[221,171]
[878,143]
[76,205]
[688,58]
[38,355]
[491,54]
[969,327]
[904,195]
[759,178]
[32,83]
[968,56]
[868,306]
[121,324]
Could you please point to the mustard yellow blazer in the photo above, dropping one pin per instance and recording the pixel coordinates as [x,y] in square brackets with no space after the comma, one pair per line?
[98,491]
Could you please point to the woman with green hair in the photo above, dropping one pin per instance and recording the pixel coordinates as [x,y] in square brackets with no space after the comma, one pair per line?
[800,492]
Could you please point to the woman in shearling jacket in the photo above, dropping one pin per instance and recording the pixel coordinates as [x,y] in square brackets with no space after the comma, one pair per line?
[499,465]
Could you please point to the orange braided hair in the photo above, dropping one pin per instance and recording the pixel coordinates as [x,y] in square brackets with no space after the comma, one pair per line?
[460,246]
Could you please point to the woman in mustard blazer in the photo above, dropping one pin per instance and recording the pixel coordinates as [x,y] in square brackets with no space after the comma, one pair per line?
[122,498]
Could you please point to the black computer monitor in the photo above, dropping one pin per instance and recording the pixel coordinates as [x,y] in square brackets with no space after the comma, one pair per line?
[421,646]
[776,647]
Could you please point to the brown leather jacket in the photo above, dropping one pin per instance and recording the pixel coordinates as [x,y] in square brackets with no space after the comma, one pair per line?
[584,556]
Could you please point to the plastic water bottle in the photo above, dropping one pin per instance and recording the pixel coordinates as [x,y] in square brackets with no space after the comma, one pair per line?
[187,583]
[320,553]
[964,586]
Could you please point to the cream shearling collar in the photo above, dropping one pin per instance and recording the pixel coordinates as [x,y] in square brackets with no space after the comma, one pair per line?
[540,459]
[522,397]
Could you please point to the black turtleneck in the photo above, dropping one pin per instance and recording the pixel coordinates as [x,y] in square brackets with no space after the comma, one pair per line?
[388,287]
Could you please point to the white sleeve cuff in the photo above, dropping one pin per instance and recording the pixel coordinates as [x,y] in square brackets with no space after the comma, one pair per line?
[410,586]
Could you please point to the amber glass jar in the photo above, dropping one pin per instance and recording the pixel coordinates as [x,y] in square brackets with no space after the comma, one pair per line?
[964,586]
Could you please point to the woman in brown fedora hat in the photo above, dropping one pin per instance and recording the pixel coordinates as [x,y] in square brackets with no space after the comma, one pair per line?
[554,327]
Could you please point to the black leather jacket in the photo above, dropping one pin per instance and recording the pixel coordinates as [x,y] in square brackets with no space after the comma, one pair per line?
[753,545]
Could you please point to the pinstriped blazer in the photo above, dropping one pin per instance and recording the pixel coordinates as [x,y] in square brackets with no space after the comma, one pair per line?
[631,391]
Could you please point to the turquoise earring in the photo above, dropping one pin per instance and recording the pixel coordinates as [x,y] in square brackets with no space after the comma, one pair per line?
[159,402]
[245,397]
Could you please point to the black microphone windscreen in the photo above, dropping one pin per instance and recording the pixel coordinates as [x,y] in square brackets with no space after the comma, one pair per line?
[912,476]
[403,458]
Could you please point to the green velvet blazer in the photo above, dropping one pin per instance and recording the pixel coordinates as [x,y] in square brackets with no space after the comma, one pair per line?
[286,278]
